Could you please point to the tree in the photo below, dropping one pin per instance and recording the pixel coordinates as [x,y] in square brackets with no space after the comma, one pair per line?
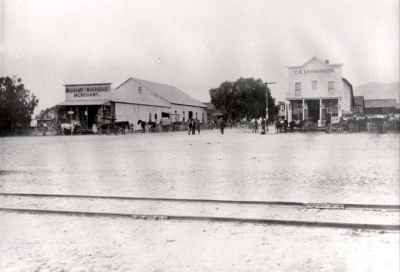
[246,97]
[16,104]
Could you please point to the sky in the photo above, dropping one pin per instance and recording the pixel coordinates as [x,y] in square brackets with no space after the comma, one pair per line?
[194,45]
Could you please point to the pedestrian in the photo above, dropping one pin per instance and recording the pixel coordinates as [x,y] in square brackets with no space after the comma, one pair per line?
[193,127]
[263,123]
[222,126]
[190,126]
[327,121]
[198,126]
[255,125]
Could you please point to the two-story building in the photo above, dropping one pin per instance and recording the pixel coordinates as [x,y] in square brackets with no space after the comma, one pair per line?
[317,88]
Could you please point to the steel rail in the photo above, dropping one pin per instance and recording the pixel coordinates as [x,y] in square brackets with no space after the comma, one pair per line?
[267,203]
[383,227]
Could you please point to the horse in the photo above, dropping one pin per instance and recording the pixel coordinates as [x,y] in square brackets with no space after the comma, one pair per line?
[69,127]
[278,127]
[123,125]
[142,124]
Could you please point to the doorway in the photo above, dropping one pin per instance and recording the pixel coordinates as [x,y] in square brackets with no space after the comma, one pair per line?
[313,110]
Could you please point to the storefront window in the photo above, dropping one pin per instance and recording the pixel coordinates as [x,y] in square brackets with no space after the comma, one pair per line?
[332,107]
[297,110]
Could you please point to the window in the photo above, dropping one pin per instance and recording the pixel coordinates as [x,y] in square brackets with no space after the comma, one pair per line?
[297,89]
[314,85]
[196,115]
[155,116]
[183,116]
[331,87]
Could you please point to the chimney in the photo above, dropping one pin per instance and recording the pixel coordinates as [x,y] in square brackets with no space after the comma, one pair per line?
[327,61]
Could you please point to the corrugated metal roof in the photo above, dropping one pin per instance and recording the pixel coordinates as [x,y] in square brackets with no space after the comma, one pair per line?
[127,93]
[169,93]
[380,103]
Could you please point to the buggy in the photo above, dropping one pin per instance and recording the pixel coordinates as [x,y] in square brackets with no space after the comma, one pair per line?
[108,126]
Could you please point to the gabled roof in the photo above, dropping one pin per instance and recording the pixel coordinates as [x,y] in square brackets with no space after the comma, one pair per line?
[126,93]
[358,100]
[318,60]
[380,103]
[167,92]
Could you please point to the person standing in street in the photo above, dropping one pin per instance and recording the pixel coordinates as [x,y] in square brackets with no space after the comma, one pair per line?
[189,126]
[222,126]
[193,127]
[255,125]
[263,126]
[198,125]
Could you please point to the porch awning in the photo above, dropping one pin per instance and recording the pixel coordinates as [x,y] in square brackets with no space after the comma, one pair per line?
[85,102]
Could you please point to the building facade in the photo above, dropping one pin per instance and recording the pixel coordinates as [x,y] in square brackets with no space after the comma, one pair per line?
[317,88]
[132,101]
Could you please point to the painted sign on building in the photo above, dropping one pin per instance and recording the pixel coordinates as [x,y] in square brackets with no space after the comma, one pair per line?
[88,91]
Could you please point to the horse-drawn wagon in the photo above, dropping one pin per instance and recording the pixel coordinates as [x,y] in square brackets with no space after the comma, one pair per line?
[73,128]
[110,126]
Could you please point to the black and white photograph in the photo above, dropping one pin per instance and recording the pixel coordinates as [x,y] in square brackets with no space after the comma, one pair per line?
[199,135]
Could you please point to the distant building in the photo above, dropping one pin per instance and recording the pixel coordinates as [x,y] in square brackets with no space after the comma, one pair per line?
[212,113]
[359,105]
[133,100]
[380,106]
[317,88]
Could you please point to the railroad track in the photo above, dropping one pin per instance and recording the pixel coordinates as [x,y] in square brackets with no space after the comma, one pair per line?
[255,212]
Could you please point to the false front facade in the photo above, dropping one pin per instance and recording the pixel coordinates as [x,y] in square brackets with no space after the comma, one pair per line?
[317,88]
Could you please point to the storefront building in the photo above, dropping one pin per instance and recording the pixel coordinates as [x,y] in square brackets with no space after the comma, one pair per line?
[317,88]
[132,101]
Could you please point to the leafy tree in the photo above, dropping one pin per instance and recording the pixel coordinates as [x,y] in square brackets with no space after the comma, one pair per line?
[246,97]
[16,104]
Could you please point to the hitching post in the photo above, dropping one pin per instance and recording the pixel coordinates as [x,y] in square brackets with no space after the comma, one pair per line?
[266,115]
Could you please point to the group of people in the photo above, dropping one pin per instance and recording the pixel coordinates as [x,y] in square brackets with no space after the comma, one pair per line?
[263,124]
[194,124]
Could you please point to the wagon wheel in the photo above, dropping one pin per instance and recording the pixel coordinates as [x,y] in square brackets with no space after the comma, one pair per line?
[328,128]
[237,128]
[110,129]
[342,127]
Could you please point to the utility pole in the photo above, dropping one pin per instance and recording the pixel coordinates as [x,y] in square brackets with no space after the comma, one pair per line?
[266,87]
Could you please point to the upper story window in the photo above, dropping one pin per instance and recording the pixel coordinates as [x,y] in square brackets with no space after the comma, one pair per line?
[331,87]
[297,89]
[314,85]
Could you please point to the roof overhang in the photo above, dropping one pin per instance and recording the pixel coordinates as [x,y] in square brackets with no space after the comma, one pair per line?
[85,102]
